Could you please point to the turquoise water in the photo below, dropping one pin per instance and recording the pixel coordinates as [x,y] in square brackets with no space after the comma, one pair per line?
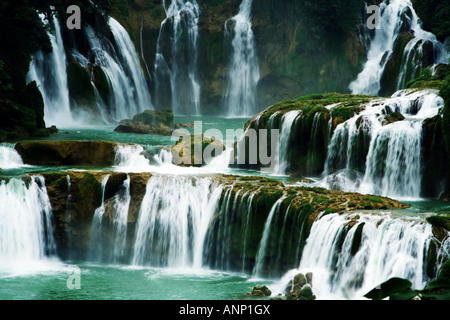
[107,282]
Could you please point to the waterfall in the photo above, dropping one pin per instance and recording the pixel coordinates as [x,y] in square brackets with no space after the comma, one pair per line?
[176,80]
[243,74]
[367,155]
[343,267]
[49,72]
[236,215]
[9,157]
[396,16]
[26,232]
[265,237]
[108,234]
[173,219]
[287,123]
[120,63]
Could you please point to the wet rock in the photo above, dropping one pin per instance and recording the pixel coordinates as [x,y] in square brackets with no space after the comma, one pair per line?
[300,288]
[261,291]
[151,122]
[185,152]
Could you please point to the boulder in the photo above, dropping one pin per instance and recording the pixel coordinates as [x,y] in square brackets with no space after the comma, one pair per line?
[185,154]
[261,291]
[62,153]
[300,288]
[151,122]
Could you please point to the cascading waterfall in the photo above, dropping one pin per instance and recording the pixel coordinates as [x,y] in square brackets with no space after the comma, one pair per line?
[129,90]
[49,72]
[176,59]
[26,232]
[9,157]
[173,219]
[396,15]
[108,234]
[287,123]
[95,234]
[243,74]
[265,238]
[345,268]
[219,239]
[367,156]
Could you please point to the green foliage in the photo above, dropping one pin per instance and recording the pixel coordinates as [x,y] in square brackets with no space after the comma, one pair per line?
[23,34]
[401,289]
[396,288]
[445,94]
[435,15]
[440,221]
[325,18]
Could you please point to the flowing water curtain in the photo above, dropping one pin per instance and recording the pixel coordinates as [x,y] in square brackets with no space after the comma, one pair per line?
[368,156]
[129,93]
[352,253]
[176,62]
[26,224]
[243,75]
[173,219]
[398,21]
[49,72]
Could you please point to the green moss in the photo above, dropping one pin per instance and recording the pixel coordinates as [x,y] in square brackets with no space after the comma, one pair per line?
[440,221]
[375,199]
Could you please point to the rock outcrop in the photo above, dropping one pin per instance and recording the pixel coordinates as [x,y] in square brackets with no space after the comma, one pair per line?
[67,153]
[151,122]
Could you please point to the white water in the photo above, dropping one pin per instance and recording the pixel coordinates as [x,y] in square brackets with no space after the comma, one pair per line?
[129,90]
[49,72]
[263,244]
[173,219]
[176,58]
[390,247]
[108,234]
[9,157]
[287,123]
[26,233]
[393,162]
[381,47]
[243,74]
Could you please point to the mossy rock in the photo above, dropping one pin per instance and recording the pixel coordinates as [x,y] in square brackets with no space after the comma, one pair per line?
[83,153]
[196,150]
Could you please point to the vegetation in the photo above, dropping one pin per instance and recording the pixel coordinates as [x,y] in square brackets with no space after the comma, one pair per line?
[401,289]
[435,15]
